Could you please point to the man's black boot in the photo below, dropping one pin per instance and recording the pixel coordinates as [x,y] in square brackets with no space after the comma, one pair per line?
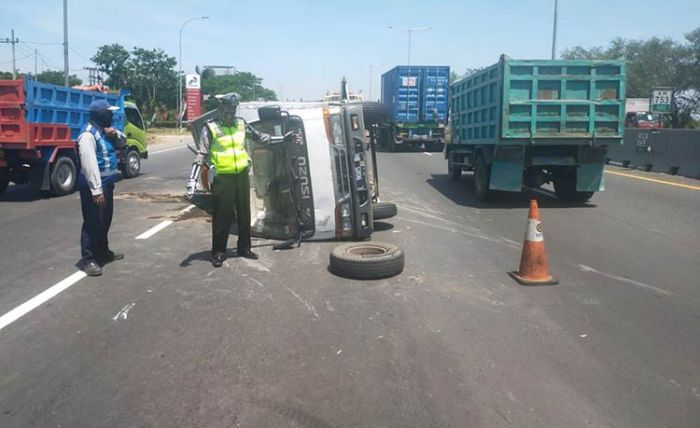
[247,253]
[217,259]
[91,268]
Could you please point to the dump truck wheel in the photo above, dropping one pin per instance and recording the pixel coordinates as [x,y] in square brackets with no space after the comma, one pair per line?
[383,210]
[4,179]
[482,179]
[565,189]
[64,176]
[453,171]
[366,260]
[132,164]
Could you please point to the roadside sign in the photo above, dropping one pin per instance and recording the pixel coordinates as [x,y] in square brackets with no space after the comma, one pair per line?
[661,100]
[193,96]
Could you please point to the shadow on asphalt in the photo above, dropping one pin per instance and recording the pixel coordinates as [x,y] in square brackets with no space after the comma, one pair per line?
[21,193]
[460,192]
[381,226]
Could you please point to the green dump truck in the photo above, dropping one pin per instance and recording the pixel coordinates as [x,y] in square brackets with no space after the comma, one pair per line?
[531,122]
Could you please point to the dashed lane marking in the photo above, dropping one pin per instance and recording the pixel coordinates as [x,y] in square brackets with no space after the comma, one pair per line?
[653,180]
[40,299]
[167,150]
[162,225]
[426,153]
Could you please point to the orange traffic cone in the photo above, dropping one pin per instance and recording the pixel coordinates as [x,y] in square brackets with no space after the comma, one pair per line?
[533,262]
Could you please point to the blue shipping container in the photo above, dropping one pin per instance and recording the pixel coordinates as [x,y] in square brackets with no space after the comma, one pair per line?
[47,103]
[417,94]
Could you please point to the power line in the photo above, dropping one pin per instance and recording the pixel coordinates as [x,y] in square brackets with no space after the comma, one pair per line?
[41,43]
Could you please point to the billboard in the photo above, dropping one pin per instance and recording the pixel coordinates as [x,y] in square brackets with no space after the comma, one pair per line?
[193,96]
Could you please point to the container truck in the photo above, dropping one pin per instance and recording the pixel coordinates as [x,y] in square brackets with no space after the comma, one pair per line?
[417,99]
[39,127]
[531,122]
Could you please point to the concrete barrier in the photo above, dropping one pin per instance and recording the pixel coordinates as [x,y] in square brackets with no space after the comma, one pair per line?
[672,151]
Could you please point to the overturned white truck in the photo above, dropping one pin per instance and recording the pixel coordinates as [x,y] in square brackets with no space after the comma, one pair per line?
[323,186]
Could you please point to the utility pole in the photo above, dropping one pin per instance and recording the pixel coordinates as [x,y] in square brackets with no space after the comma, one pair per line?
[13,42]
[370,82]
[410,31]
[554,33]
[65,42]
[36,57]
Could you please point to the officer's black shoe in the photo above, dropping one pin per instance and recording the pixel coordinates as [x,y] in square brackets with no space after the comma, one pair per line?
[91,268]
[248,254]
[217,259]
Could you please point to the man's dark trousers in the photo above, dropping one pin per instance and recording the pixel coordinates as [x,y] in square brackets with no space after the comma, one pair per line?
[231,195]
[96,223]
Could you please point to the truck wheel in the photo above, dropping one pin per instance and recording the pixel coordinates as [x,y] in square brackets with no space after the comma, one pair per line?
[366,260]
[132,164]
[63,176]
[565,188]
[453,171]
[383,210]
[482,180]
[4,179]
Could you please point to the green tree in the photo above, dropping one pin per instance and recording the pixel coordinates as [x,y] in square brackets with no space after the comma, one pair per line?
[5,75]
[656,62]
[113,60]
[246,84]
[57,78]
[152,78]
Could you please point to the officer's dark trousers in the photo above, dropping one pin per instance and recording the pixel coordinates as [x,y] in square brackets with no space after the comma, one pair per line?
[96,223]
[231,195]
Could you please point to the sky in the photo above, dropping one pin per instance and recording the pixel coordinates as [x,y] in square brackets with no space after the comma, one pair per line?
[302,48]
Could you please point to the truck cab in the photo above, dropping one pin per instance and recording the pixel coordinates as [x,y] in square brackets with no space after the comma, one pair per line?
[321,187]
[137,146]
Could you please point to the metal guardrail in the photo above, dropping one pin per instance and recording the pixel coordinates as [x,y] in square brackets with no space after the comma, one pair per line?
[672,151]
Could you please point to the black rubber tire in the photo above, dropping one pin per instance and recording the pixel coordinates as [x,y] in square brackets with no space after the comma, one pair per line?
[64,176]
[366,260]
[482,178]
[383,210]
[436,147]
[565,188]
[455,172]
[132,164]
[374,113]
[4,179]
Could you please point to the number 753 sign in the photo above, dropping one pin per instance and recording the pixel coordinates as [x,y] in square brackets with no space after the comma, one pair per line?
[661,100]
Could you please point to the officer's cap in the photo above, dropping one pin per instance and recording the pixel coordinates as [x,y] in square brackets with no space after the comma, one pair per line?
[230,98]
[101,105]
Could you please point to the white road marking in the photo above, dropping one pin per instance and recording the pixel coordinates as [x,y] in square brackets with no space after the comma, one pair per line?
[655,289]
[124,312]
[155,229]
[39,299]
[162,225]
[426,153]
[167,150]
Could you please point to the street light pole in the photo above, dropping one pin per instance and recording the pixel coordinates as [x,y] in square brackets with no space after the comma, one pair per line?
[554,32]
[179,75]
[66,71]
[410,31]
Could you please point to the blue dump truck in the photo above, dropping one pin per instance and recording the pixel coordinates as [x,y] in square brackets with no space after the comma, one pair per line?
[417,98]
[39,126]
[531,122]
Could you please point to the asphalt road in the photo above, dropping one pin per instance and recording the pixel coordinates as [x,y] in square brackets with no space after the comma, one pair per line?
[163,339]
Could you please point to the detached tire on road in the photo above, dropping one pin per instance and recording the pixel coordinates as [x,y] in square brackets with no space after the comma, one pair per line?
[383,210]
[366,260]
[64,176]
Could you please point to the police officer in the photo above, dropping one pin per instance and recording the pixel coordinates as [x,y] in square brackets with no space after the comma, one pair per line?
[224,141]
[98,143]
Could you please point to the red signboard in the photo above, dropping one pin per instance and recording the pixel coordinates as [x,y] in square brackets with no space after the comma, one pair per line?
[193,101]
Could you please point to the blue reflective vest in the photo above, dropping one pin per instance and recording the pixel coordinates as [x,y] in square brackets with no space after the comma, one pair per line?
[106,156]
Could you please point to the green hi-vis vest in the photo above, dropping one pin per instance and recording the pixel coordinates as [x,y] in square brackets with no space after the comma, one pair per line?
[228,153]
